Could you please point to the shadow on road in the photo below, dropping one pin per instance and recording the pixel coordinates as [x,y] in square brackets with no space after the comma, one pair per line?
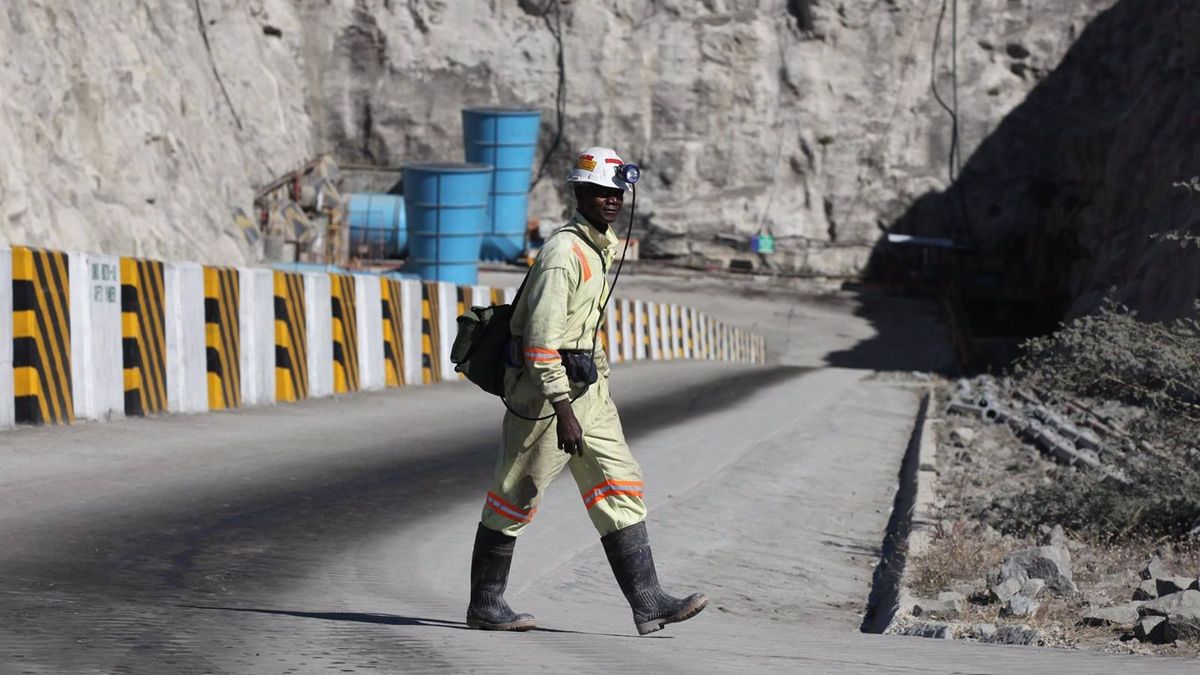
[909,335]
[393,620]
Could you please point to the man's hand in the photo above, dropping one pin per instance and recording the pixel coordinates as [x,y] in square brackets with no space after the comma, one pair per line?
[570,434]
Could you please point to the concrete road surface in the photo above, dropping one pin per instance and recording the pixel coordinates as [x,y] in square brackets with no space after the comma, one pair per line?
[335,535]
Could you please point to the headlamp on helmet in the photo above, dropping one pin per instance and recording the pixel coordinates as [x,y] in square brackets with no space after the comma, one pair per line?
[630,173]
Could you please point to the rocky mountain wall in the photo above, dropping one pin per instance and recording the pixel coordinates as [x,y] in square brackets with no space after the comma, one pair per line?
[1071,194]
[135,126]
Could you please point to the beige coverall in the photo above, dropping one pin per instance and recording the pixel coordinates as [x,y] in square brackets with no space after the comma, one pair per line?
[559,309]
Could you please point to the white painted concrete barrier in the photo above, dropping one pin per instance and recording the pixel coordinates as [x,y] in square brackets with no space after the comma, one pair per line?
[187,365]
[626,328]
[639,331]
[410,320]
[318,319]
[643,330]
[256,320]
[447,326]
[371,373]
[664,332]
[97,366]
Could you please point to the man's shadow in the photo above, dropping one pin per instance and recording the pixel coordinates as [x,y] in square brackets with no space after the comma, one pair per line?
[394,620]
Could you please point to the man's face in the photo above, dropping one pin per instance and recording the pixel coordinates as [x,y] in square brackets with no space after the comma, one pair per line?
[599,204]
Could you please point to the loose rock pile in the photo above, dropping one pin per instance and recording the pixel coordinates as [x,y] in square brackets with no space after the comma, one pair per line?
[1017,585]
[1165,608]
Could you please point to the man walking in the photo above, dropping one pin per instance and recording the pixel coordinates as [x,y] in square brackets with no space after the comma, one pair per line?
[557,419]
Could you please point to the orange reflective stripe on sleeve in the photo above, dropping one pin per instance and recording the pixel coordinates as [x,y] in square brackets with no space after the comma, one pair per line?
[540,354]
[610,488]
[587,269]
[506,509]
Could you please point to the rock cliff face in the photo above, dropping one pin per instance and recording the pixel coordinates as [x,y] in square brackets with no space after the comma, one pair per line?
[136,127]
[1066,197]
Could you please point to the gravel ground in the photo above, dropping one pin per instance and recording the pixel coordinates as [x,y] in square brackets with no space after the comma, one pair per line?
[982,465]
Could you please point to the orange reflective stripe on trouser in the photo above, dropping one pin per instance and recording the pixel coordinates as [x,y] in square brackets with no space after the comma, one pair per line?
[530,459]
[506,509]
[611,488]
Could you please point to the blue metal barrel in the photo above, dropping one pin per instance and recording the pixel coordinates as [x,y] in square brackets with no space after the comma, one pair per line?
[446,204]
[378,225]
[506,138]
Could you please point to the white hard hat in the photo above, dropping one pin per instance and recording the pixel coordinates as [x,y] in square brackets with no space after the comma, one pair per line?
[599,165]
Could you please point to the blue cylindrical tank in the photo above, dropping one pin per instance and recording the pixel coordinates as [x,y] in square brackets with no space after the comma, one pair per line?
[378,225]
[506,138]
[446,205]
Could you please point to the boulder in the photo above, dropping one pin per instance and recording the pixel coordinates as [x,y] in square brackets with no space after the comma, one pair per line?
[1020,605]
[929,629]
[983,631]
[947,610]
[1154,569]
[962,436]
[1017,635]
[1004,591]
[1150,629]
[1183,624]
[1169,585]
[1058,536]
[1033,587]
[1051,563]
[1169,604]
[1147,590]
[1120,615]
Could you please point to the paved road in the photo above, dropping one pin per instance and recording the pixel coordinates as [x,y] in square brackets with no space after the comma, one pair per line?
[334,536]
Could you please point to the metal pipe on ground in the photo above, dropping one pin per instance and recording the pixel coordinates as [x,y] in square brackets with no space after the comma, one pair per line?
[989,414]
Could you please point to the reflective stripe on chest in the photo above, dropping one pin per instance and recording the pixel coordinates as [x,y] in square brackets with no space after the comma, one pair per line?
[583,261]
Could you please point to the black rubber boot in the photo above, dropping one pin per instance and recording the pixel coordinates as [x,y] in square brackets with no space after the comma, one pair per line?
[489,576]
[628,552]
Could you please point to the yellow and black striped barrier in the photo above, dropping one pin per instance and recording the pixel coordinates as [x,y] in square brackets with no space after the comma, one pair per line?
[291,339]
[222,337]
[616,354]
[431,358]
[254,337]
[689,339]
[344,304]
[42,391]
[464,298]
[393,333]
[143,336]
[646,318]
[467,297]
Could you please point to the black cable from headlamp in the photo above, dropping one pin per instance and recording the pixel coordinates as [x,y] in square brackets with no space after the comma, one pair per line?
[630,174]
